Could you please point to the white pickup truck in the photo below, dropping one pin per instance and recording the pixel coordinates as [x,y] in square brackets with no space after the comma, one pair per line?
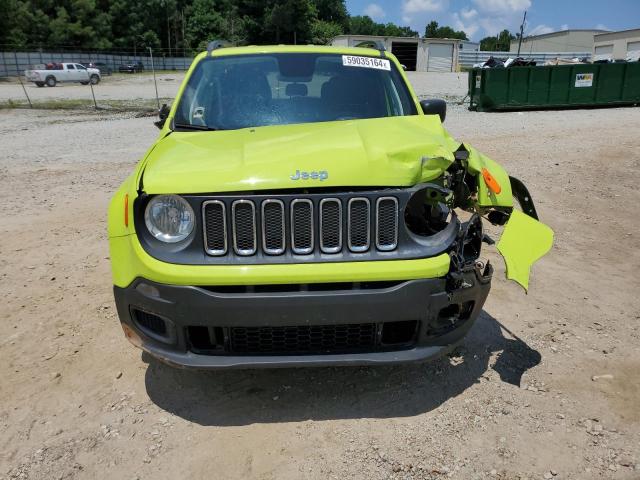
[54,73]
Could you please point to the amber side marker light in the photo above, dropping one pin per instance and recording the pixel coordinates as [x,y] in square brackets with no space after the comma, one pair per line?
[491,182]
[126,210]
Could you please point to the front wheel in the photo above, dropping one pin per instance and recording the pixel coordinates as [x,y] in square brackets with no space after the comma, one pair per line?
[95,79]
[51,81]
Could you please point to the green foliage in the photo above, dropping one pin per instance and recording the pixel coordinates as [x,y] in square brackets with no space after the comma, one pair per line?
[364,25]
[500,43]
[433,30]
[290,21]
[323,32]
[178,25]
[333,11]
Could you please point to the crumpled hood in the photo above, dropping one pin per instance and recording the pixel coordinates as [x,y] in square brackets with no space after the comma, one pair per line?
[395,151]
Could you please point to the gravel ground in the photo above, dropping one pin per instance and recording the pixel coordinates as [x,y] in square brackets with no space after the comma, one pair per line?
[545,386]
[140,86]
[115,87]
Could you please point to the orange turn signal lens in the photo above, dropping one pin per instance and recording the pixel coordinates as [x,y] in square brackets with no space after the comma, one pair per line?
[126,210]
[491,182]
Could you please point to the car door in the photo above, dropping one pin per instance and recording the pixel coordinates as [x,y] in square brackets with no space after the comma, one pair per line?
[81,71]
[71,73]
[61,73]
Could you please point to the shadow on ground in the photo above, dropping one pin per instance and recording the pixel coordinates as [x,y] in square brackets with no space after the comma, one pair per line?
[242,397]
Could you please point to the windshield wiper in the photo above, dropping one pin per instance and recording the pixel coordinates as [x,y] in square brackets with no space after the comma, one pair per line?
[188,126]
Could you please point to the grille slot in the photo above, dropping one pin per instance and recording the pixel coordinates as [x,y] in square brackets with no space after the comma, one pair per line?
[302,226]
[215,227]
[273,233]
[303,339]
[359,229]
[330,225]
[244,227]
[386,223]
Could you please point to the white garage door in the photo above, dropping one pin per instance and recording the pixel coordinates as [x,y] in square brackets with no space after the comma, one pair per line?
[603,52]
[440,57]
[633,51]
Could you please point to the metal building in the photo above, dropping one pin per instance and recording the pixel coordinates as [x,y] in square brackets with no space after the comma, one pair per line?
[562,41]
[419,54]
[622,45]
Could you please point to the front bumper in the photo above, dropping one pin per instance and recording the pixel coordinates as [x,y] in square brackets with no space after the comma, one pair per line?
[442,310]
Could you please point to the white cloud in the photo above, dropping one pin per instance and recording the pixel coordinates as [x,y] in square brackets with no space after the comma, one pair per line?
[601,26]
[502,6]
[468,13]
[492,26]
[421,6]
[407,19]
[469,28]
[564,26]
[375,11]
[493,16]
[539,30]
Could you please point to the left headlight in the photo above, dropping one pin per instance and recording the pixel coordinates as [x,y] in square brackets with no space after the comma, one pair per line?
[169,218]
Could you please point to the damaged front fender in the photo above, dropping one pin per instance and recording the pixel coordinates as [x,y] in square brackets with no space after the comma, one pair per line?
[524,240]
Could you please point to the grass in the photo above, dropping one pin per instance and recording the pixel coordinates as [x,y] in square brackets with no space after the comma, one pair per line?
[138,105]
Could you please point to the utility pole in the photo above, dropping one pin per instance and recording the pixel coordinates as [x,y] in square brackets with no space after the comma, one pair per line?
[521,31]
[168,33]
[184,42]
[153,68]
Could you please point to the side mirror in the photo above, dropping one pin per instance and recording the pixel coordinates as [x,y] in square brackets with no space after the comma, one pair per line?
[163,113]
[435,107]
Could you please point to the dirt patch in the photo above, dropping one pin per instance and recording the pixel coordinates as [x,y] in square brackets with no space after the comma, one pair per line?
[545,386]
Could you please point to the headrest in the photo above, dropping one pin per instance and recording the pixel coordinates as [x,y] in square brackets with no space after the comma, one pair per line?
[296,90]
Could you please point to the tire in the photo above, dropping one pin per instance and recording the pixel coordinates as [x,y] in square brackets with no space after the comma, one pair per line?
[94,79]
[51,81]
[39,84]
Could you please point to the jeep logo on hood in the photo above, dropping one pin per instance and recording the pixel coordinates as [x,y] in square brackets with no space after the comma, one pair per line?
[321,175]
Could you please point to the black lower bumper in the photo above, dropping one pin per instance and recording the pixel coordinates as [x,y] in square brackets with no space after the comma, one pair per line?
[301,325]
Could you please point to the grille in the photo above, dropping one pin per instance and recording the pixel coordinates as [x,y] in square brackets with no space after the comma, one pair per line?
[244,227]
[303,339]
[300,226]
[273,227]
[215,228]
[150,322]
[330,225]
[386,223]
[359,224]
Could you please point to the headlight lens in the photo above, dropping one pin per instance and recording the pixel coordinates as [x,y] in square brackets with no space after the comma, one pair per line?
[169,218]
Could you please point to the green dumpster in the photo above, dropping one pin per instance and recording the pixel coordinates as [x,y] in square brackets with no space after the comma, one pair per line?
[580,85]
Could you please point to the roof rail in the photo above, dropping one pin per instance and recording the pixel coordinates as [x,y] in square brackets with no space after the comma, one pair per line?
[376,44]
[214,45]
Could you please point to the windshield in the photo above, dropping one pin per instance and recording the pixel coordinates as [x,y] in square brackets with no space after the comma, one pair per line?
[279,89]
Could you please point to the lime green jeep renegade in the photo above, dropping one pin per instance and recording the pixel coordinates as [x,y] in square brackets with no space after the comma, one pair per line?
[302,207]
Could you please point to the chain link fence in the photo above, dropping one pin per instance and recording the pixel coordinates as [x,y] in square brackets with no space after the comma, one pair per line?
[14,62]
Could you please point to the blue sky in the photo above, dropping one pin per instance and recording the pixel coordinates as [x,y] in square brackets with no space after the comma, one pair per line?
[480,18]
